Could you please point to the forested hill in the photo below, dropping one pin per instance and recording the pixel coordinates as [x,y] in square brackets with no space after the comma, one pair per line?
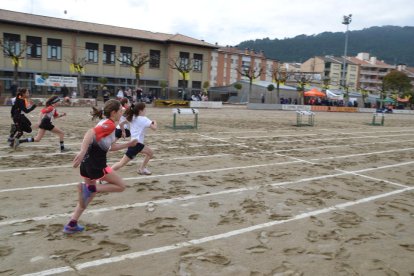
[392,44]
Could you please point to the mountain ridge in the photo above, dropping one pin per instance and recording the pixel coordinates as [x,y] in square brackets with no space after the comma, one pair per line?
[393,44]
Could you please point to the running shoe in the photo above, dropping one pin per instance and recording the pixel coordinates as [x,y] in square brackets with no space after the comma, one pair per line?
[144,171]
[85,196]
[71,230]
[65,150]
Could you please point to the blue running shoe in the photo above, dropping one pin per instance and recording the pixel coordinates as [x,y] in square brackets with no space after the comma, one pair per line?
[71,230]
[85,196]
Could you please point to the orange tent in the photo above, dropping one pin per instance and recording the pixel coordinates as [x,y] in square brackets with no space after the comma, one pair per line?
[314,93]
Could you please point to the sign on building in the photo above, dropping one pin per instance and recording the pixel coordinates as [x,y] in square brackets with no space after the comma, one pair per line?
[56,81]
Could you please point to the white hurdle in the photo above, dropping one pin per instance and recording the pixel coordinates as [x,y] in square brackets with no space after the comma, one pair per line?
[185,111]
[301,114]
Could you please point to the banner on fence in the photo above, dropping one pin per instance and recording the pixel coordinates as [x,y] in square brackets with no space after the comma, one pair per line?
[56,81]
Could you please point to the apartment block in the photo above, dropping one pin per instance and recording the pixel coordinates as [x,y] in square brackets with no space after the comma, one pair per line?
[227,62]
[371,71]
[331,67]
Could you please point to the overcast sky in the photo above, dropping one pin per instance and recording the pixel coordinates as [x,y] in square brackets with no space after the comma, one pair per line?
[227,22]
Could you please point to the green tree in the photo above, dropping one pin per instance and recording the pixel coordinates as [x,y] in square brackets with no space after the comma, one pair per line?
[206,86]
[398,83]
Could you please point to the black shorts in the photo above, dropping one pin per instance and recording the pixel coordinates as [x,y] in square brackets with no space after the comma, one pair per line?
[87,171]
[46,124]
[118,133]
[22,123]
[133,151]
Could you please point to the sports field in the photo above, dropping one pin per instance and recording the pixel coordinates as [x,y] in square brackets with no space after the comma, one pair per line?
[247,193]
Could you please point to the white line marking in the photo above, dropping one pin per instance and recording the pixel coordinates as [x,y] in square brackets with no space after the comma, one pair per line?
[190,197]
[162,249]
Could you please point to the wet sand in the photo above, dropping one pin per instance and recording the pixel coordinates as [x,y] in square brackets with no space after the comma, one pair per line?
[248,193]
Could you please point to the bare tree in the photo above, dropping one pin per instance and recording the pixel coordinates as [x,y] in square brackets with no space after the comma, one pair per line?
[136,62]
[14,50]
[251,73]
[279,76]
[184,67]
[301,81]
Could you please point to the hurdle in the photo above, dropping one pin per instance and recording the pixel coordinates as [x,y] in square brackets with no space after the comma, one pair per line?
[301,115]
[375,119]
[185,111]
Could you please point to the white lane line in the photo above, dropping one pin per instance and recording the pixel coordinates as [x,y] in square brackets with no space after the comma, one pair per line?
[190,197]
[226,235]
[156,176]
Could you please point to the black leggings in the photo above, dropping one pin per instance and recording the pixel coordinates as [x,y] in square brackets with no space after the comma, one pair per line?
[22,124]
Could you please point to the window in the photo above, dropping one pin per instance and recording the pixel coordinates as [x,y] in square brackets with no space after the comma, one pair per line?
[184,59]
[34,47]
[54,48]
[155,56]
[109,54]
[11,43]
[92,52]
[126,54]
[198,63]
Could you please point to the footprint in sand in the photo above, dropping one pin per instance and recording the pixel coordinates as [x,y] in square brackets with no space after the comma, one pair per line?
[257,249]
[252,207]
[104,248]
[232,216]
[409,247]
[198,253]
[194,216]
[5,250]
[287,269]
[213,204]
[347,219]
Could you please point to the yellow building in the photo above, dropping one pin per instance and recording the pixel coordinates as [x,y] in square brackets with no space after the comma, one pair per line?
[56,45]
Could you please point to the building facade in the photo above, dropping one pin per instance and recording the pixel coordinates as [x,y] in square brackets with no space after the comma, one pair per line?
[56,46]
[330,68]
[228,62]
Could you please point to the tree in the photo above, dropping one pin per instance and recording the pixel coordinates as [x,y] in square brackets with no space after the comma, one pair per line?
[102,81]
[251,73]
[238,86]
[77,65]
[301,81]
[279,75]
[397,82]
[184,67]
[163,85]
[14,50]
[136,62]
[206,86]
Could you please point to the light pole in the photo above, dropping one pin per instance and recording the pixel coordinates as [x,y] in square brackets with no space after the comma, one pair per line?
[347,20]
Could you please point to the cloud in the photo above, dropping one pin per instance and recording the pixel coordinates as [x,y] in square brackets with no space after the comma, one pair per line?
[227,22]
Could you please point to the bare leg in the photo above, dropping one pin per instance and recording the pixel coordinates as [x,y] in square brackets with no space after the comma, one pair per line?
[59,133]
[148,155]
[41,132]
[125,159]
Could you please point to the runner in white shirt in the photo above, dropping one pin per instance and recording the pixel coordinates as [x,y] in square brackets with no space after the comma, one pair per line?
[138,124]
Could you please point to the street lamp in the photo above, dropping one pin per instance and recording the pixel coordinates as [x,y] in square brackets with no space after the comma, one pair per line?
[347,20]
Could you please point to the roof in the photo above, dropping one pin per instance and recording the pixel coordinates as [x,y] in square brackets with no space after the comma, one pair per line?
[367,63]
[95,28]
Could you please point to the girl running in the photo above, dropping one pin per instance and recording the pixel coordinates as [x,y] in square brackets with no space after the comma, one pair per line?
[118,132]
[92,160]
[21,123]
[45,123]
[138,122]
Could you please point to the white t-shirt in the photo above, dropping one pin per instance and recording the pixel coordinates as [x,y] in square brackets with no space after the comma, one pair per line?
[126,126]
[138,127]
